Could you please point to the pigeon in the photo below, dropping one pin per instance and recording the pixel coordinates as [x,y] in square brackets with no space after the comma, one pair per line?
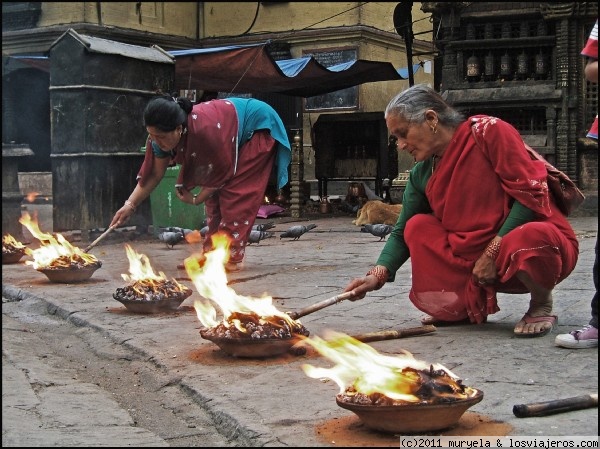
[263,226]
[257,236]
[171,238]
[295,232]
[378,230]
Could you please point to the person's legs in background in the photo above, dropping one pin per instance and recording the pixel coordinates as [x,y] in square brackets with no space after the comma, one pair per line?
[586,337]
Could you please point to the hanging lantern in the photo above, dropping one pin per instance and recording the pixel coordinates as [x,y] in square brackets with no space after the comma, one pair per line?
[505,66]
[488,31]
[524,30]
[522,66]
[541,66]
[542,28]
[470,32]
[473,68]
[489,69]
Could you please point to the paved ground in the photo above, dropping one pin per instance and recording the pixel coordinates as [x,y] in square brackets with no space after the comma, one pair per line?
[272,402]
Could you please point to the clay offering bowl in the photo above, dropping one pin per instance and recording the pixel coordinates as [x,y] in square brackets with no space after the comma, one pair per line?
[405,418]
[168,304]
[72,274]
[13,256]
[263,336]
[251,348]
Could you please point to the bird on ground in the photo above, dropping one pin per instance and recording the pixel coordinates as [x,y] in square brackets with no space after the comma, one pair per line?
[171,238]
[257,236]
[263,226]
[295,232]
[378,230]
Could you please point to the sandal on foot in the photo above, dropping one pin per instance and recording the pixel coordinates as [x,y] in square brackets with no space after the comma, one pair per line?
[528,319]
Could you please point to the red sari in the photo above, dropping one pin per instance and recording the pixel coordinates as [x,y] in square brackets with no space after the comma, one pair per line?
[470,193]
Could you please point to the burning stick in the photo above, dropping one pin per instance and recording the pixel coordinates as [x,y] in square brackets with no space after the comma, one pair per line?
[556,406]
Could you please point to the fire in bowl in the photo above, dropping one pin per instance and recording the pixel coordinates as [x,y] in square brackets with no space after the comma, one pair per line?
[146,304]
[70,274]
[12,249]
[249,335]
[12,256]
[251,348]
[418,417]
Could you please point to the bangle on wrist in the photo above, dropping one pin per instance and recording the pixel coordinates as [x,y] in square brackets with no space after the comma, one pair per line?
[381,273]
[194,199]
[492,249]
[130,204]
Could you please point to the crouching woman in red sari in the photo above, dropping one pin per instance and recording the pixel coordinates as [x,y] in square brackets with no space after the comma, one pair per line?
[477,218]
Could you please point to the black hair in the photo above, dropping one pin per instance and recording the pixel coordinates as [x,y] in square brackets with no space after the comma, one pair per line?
[166,113]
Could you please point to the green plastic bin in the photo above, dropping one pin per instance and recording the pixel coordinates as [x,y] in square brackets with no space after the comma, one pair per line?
[168,210]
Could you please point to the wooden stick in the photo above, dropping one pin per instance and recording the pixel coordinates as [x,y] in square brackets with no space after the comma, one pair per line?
[556,406]
[320,305]
[300,347]
[400,333]
[95,242]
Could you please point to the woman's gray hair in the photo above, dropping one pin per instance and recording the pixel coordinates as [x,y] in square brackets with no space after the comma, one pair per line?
[412,103]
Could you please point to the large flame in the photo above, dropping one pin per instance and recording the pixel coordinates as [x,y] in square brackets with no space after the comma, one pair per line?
[55,251]
[210,280]
[361,369]
[142,276]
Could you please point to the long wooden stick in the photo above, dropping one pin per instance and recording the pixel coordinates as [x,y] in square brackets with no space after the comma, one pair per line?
[392,334]
[300,347]
[95,242]
[556,406]
[321,305]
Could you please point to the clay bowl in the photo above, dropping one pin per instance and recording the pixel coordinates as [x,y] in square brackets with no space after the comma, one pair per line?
[252,348]
[13,256]
[411,418]
[170,304]
[70,275]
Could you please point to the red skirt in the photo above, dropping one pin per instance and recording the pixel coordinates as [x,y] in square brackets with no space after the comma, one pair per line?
[443,284]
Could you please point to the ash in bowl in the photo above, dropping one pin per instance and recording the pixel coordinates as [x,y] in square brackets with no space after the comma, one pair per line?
[142,291]
[151,296]
[256,328]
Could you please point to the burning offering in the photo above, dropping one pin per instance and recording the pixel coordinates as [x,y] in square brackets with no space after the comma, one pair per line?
[57,258]
[148,292]
[12,249]
[392,394]
[250,327]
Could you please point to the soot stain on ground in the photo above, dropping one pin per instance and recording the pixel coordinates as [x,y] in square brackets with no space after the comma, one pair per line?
[349,431]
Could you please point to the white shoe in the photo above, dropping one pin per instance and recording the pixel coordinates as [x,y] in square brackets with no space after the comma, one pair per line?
[579,339]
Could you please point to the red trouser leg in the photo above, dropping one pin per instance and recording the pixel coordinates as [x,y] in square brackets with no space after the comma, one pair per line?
[233,208]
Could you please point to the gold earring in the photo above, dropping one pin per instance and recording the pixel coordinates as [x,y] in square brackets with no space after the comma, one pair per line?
[434,128]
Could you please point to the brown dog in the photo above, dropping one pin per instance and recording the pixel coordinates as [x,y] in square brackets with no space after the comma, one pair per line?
[376,211]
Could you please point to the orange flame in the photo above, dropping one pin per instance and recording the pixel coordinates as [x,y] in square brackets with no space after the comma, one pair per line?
[31,196]
[193,237]
[54,251]
[9,241]
[210,280]
[141,273]
[362,369]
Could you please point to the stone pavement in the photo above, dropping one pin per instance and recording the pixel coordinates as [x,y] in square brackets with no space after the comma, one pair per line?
[272,402]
